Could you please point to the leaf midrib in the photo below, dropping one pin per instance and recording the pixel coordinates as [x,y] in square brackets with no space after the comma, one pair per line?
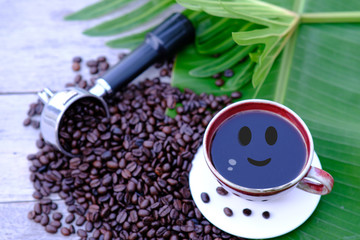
[286,59]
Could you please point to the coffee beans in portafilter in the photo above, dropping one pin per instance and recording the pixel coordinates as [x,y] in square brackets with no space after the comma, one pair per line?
[80,126]
[131,180]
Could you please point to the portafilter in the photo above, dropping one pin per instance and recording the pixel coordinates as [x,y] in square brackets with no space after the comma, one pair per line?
[161,43]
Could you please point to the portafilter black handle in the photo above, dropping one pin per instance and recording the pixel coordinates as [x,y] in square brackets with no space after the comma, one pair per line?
[170,36]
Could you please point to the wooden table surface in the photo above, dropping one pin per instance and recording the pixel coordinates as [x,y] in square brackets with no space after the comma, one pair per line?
[36,51]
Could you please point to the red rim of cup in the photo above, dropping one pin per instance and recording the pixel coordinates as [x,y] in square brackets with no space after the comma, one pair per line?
[263,105]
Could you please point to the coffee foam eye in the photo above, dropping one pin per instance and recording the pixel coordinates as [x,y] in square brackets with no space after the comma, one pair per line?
[232,162]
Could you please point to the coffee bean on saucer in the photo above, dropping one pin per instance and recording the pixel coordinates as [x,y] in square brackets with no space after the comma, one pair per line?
[228,212]
[221,191]
[205,197]
[247,212]
[266,215]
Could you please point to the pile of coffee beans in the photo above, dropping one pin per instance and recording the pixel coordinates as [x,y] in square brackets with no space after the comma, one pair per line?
[130,180]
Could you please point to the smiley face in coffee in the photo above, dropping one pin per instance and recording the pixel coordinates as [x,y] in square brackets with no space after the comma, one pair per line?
[258,149]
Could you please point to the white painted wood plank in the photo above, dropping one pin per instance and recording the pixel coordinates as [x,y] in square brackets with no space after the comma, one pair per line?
[37,45]
[15,225]
[16,142]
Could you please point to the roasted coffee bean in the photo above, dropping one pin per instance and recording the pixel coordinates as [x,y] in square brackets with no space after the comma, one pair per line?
[37,195]
[126,174]
[266,215]
[101,59]
[81,233]
[228,212]
[44,220]
[103,66]
[35,124]
[37,208]
[77,59]
[170,102]
[80,221]
[164,72]
[70,218]
[246,212]
[51,229]
[76,66]
[65,231]
[221,191]
[57,216]
[72,229]
[133,217]
[27,122]
[165,210]
[56,224]
[121,217]
[45,201]
[89,226]
[187,228]
[31,215]
[108,235]
[205,197]
[228,73]
[236,95]
[143,213]
[37,218]
[91,63]
[219,82]
[54,206]
[148,144]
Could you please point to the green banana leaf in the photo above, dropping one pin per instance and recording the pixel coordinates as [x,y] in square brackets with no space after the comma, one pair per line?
[97,10]
[130,20]
[130,42]
[318,76]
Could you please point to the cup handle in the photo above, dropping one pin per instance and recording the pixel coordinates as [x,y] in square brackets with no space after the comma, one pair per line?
[323,185]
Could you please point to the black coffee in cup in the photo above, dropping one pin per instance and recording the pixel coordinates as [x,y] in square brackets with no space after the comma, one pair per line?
[258,149]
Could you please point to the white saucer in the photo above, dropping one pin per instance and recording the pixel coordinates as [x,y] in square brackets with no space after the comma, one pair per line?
[286,213]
